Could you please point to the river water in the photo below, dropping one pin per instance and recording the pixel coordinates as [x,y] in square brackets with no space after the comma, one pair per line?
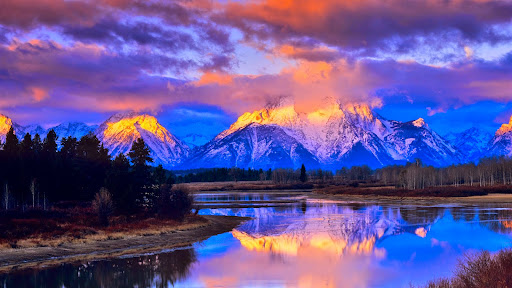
[295,240]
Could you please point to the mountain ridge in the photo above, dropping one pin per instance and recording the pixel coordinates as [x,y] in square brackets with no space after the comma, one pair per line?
[278,136]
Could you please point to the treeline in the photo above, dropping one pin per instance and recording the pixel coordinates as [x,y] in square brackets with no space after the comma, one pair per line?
[35,174]
[278,176]
[222,175]
[416,175]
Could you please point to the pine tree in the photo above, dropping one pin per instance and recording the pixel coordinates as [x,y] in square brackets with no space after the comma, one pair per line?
[120,184]
[50,144]
[303,176]
[69,147]
[159,175]
[11,146]
[26,145]
[139,153]
[12,163]
[141,176]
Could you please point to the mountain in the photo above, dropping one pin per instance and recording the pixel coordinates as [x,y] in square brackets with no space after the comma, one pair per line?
[255,146]
[415,139]
[335,136]
[195,140]
[501,143]
[473,143]
[73,129]
[6,123]
[120,131]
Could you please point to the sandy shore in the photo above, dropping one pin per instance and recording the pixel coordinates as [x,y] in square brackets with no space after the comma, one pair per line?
[11,259]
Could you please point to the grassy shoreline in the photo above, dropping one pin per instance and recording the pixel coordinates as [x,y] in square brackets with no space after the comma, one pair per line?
[130,244]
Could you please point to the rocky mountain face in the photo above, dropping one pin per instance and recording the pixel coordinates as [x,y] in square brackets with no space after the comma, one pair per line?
[278,136]
[501,143]
[336,136]
[117,134]
[120,131]
[73,129]
[473,143]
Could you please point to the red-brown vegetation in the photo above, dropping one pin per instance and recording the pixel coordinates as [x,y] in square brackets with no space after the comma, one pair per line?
[60,225]
[480,270]
[441,191]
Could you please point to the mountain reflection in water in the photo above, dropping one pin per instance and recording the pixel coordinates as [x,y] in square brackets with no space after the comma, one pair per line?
[304,243]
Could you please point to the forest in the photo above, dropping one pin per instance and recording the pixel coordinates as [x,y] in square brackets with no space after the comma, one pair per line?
[37,173]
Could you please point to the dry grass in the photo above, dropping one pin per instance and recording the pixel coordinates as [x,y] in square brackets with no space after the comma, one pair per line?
[443,191]
[244,185]
[80,225]
[480,270]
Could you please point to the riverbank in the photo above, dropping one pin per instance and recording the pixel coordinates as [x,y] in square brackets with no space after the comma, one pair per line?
[178,236]
[430,192]
[244,186]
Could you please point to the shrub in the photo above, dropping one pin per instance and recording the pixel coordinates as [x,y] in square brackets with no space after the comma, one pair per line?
[103,206]
[174,203]
[480,270]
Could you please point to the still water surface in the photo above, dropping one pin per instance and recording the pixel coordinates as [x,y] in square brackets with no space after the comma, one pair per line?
[303,243]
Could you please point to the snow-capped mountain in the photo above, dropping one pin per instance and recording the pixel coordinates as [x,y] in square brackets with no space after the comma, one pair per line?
[5,126]
[194,140]
[6,123]
[335,136]
[120,131]
[473,142]
[73,129]
[501,143]
[255,146]
[415,139]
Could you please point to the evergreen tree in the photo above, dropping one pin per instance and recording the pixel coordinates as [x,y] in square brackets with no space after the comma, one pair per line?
[120,185]
[27,168]
[26,145]
[37,144]
[303,176]
[141,176]
[11,145]
[69,147]
[139,153]
[49,180]
[50,144]
[159,175]
[11,151]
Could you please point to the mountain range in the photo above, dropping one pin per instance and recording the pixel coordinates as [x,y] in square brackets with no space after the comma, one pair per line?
[278,136]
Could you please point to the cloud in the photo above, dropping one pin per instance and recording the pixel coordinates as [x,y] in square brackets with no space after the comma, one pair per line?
[366,27]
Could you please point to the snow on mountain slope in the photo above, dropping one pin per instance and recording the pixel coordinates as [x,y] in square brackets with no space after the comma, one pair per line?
[73,129]
[473,142]
[501,143]
[120,131]
[194,140]
[20,131]
[415,139]
[339,135]
[255,146]
[5,126]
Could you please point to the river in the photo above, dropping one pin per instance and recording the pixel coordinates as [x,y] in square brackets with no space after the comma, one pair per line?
[295,240]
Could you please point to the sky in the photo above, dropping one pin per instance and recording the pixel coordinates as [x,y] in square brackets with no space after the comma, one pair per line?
[199,64]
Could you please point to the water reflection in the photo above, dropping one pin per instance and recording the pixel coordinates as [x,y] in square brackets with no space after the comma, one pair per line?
[352,245]
[161,270]
[305,243]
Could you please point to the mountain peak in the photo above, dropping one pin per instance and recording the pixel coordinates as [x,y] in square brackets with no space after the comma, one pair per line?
[5,125]
[120,131]
[505,128]
[420,122]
